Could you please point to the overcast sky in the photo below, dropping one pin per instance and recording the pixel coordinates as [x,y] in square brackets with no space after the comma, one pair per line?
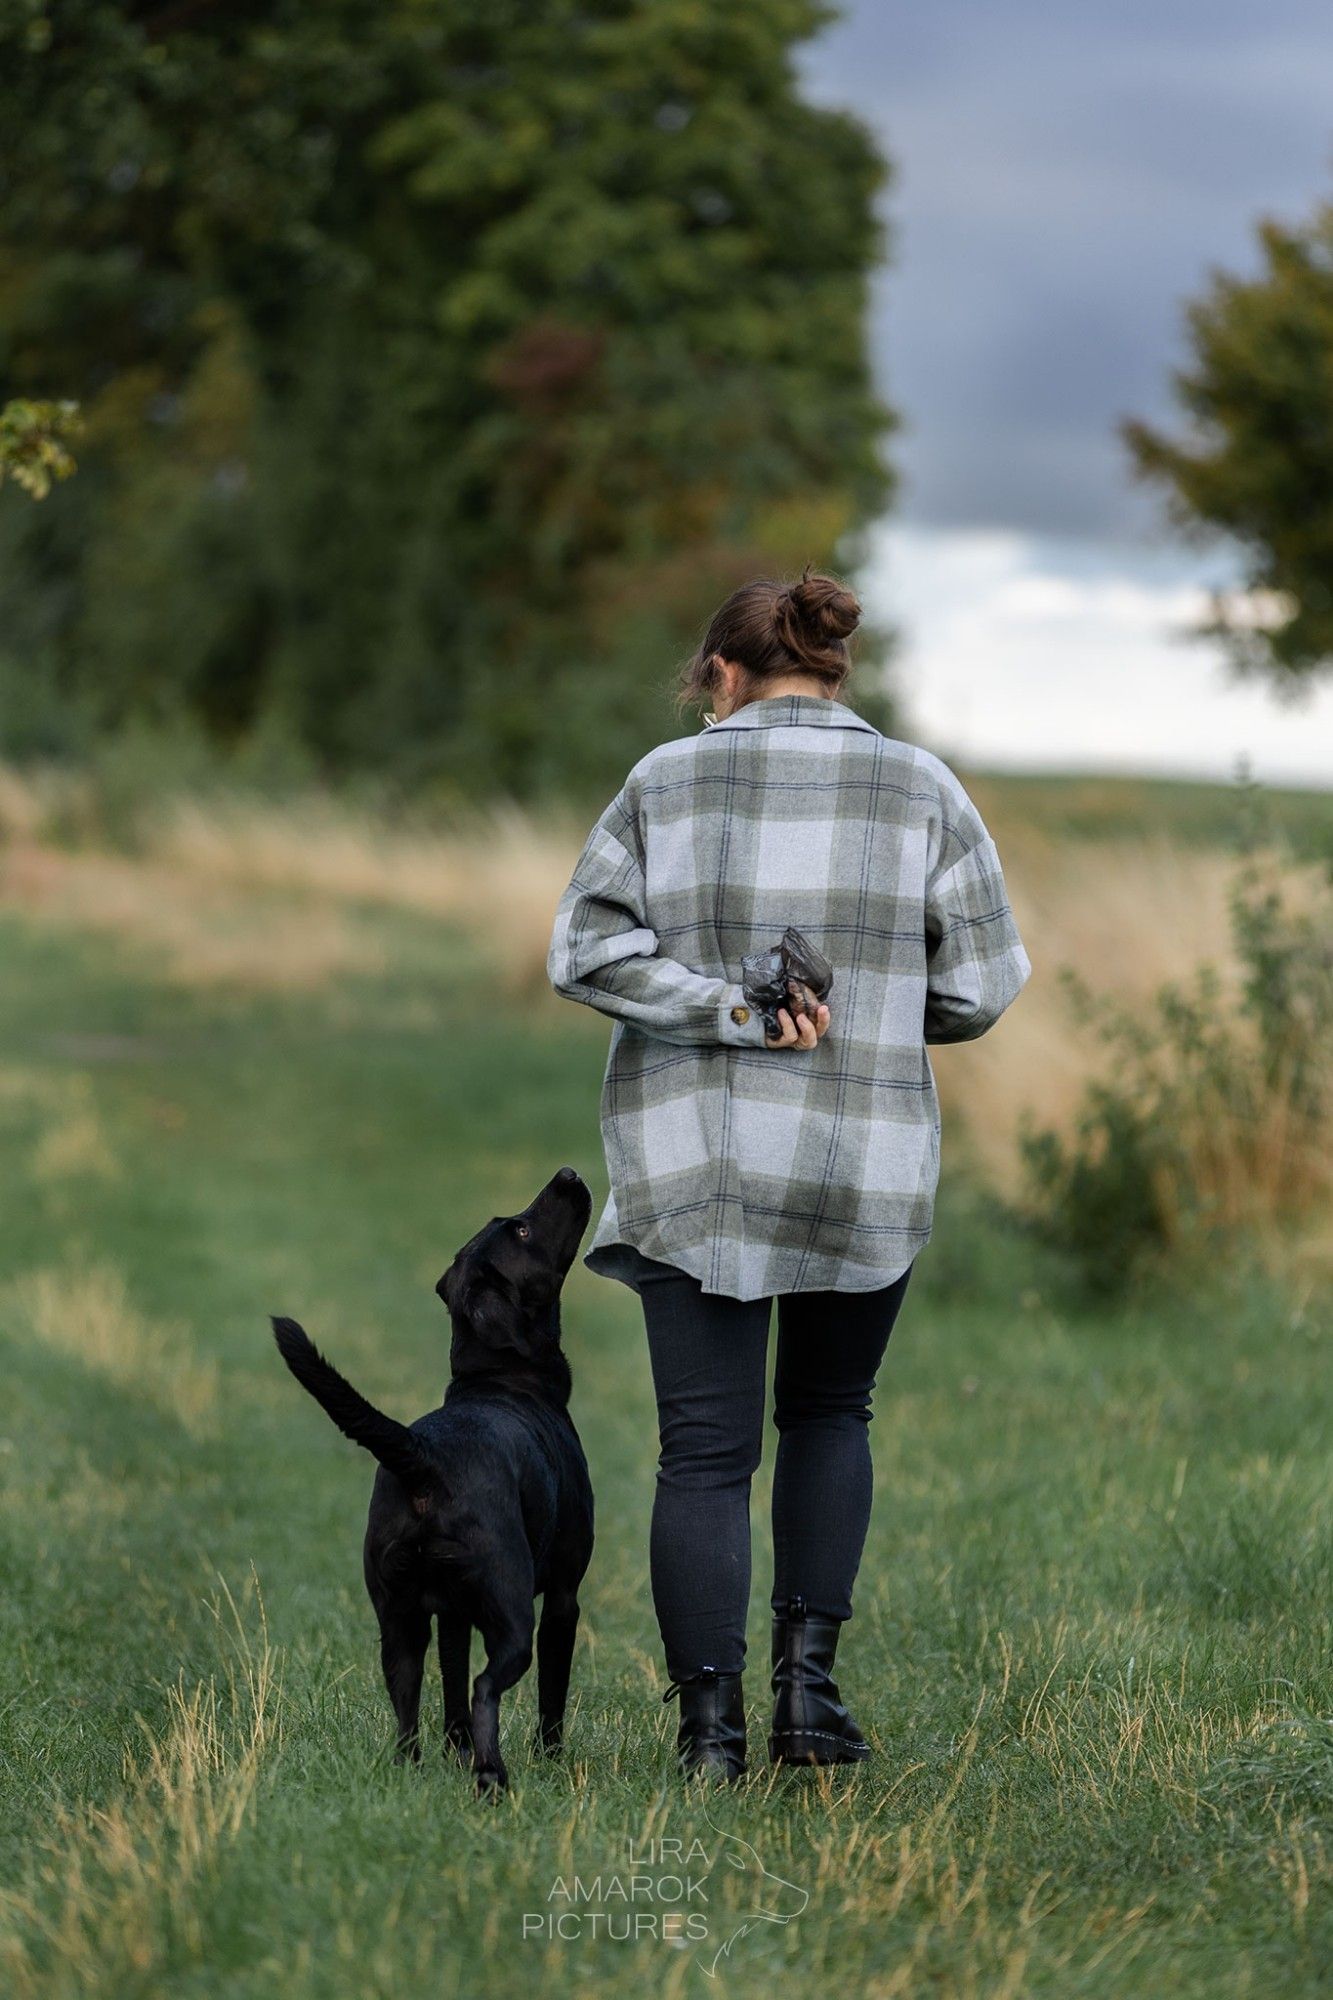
[1065,179]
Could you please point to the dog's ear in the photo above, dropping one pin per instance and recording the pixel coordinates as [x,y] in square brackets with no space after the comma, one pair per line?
[495,1313]
[447,1289]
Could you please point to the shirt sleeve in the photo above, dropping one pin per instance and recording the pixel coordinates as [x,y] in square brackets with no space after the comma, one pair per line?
[976,963]
[605,953]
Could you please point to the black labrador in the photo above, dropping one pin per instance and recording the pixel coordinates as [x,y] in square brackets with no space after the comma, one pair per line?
[485,1503]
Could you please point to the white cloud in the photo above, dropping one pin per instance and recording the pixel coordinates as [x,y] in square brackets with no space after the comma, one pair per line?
[1028,653]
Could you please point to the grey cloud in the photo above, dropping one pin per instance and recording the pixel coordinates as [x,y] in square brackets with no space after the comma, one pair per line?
[1066,178]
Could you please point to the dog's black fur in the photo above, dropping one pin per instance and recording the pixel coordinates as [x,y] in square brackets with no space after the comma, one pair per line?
[485,1503]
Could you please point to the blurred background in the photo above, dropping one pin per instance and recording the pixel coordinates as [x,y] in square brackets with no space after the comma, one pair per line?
[1067,188]
[431,372]
[440,368]
[389,390]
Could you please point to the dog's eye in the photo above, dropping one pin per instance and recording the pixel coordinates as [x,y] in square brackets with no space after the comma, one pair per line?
[524,1231]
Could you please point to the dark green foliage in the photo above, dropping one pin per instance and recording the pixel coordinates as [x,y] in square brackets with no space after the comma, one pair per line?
[1255,461]
[443,364]
[1095,1195]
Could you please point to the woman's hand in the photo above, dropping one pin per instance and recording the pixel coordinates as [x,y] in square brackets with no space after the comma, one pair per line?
[802,1031]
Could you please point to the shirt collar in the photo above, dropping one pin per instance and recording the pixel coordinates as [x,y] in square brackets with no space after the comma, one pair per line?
[822,710]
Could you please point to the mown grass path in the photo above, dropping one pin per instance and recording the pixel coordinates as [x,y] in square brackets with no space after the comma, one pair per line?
[1092,1643]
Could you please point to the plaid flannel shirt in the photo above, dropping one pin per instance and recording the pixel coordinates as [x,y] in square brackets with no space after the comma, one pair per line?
[761,1170]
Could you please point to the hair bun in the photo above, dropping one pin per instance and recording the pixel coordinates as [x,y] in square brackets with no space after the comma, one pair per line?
[815,617]
[826,606]
[767,628]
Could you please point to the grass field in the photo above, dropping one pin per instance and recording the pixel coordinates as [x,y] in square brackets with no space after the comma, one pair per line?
[1093,1637]
[1195,812]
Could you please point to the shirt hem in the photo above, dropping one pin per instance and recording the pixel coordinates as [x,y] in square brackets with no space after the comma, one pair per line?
[602,1260]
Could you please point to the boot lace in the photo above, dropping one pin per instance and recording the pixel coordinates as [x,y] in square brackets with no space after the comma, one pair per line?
[673,1688]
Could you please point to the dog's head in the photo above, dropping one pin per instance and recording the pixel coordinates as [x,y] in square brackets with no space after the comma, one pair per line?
[502,1289]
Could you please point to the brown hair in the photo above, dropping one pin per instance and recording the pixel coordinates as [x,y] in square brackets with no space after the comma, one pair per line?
[771,629]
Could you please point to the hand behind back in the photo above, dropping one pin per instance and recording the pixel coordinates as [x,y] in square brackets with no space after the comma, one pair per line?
[800,1029]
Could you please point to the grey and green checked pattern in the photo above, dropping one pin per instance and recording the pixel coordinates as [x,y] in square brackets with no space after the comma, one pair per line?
[776,1170]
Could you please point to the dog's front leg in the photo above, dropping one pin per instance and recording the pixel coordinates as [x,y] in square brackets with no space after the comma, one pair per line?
[508,1656]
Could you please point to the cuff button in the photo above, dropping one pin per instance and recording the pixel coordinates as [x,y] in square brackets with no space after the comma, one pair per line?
[740,1015]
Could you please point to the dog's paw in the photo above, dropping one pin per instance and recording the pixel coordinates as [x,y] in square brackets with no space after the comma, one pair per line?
[491,1782]
[549,1740]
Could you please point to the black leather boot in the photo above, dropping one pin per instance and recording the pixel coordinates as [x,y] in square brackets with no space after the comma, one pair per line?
[711,1737]
[810,1724]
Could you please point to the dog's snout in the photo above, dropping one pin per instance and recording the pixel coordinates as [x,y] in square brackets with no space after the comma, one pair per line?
[566,1177]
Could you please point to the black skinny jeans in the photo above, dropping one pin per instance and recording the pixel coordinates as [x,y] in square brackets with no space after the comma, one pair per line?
[708,1355]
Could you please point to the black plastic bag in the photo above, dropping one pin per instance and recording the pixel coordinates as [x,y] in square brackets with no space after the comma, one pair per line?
[792,975]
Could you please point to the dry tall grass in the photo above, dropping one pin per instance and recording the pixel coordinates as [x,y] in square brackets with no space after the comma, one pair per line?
[88,1317]
[268,896]
[1127,915]
[127,1875]
[499,874]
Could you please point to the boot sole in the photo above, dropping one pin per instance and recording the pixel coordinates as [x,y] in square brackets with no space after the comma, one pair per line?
[816,1746]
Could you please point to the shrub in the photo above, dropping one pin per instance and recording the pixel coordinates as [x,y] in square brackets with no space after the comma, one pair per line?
[1208,1126]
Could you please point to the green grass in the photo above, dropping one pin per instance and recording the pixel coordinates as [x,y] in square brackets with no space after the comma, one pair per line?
[1195,812]
[1092,1642]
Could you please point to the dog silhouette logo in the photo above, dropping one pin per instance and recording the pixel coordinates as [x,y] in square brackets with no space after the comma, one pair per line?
[774,1899]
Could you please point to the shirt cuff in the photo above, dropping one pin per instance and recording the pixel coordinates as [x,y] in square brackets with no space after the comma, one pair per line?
[738,1023]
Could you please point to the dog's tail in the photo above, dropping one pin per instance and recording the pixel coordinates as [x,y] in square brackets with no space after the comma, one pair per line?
[391,1443]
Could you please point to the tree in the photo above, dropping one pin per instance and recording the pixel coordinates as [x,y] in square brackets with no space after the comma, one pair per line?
[443,361]
[1255,462]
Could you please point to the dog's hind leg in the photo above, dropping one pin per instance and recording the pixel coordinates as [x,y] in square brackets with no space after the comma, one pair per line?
[455,1634]
[404,1637]
[555,1652]
[506,1631]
